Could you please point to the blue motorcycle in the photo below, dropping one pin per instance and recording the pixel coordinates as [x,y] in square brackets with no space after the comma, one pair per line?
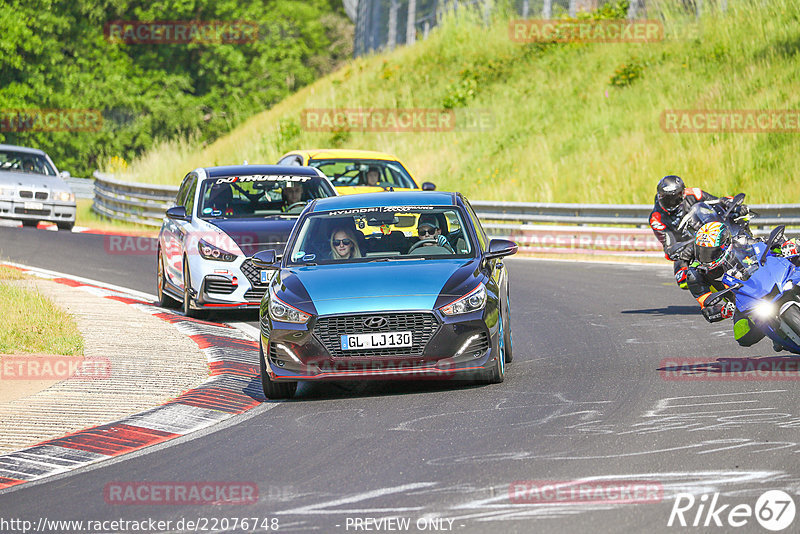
[767,290]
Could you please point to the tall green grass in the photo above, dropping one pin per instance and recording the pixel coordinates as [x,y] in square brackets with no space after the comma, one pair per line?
[562,132]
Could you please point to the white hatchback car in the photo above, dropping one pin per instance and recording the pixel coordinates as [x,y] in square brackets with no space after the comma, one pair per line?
[222,216]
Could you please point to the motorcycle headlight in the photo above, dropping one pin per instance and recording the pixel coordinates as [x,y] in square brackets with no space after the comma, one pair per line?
[64,196]
[765,309]
[280,311]
[210,252]
[473,301]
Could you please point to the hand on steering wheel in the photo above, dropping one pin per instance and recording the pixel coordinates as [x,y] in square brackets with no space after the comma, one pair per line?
[431,241]
[295,205]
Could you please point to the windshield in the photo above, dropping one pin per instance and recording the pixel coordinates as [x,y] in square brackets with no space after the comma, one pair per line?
[241,197]
[25,162]
[362,172]
[381,234]
[700,214]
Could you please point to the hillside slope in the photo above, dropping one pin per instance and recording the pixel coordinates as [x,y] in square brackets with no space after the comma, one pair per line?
[571,122]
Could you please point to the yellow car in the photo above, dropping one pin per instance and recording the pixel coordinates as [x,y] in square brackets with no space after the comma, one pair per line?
[357,171]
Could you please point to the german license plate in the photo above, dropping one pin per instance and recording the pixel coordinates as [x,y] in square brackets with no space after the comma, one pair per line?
[266,275]
[376,341]
[34,206]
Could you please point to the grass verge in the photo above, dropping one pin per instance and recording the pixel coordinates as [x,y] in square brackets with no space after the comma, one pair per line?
[567,126]
[31,323]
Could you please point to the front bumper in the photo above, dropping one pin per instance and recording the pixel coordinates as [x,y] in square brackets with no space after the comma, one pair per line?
[37,210]
[234,285]
[454,348]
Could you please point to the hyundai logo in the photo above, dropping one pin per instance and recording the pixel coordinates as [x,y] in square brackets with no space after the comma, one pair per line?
[375,322]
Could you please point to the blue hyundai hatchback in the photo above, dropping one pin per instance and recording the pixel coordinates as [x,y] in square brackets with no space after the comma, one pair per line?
[403,285]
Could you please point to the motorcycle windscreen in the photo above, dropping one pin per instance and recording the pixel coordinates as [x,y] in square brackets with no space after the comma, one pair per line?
[775,272]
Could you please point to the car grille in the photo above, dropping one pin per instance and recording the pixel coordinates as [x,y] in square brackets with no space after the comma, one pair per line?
[253,275]
[40,195]
[329,330]
[218,284]
[26,194]
[23,211]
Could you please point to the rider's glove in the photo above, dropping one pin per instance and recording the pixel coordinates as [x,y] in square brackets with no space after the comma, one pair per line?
[727,310]
[718,312]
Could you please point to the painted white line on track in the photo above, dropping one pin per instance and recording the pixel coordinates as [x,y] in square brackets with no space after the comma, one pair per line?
[664,265]
[45,273]
[247,329]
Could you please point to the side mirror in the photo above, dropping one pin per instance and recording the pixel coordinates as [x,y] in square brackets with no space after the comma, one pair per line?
[265,259]
[65,175]
[178,213]
[774,235]
[428,186]
[499,248]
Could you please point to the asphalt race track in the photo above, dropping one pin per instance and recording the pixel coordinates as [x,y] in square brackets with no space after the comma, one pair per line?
[584,399]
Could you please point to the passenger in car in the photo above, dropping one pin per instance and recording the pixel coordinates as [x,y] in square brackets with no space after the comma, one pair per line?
[344,245]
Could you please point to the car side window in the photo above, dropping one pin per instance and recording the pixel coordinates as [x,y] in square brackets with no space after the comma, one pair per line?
[190,196]
[180,198]
[477,224]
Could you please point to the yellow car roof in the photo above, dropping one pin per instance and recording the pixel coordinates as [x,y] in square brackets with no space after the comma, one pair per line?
[334,153]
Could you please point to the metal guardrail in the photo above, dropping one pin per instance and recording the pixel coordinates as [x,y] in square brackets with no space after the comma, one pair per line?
[82,187]
[132,202]
[537,227]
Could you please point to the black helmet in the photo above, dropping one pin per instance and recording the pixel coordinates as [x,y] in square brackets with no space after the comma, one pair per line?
[670,192]
[712,245]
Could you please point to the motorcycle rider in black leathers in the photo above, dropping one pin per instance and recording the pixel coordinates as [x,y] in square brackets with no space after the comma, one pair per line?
[673,200]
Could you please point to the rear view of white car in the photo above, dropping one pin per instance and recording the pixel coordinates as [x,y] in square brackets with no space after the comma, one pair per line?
[32,189]
[222,216]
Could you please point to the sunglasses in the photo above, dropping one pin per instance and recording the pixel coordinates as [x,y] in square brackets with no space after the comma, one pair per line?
[340,242]
[422,232]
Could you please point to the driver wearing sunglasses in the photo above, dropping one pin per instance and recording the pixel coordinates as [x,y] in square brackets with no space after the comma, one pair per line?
[344,245]
[428,230]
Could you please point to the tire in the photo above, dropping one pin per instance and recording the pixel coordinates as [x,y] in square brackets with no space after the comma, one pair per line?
[274,390]
[187,296]
[497,373]
[67,226]
[30,224]
[792,318]
[164,300]
[507,329]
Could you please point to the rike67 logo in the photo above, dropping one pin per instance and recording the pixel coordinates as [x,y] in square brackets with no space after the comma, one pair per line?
[774,510]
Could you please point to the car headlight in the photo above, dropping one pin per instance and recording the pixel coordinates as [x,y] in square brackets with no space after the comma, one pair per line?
[210,252]
[765,309]
[7,192]
[473,301]
[280,311]
[64,196]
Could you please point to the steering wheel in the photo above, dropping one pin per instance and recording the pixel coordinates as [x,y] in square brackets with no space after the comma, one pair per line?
[296,205]
[423,242]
